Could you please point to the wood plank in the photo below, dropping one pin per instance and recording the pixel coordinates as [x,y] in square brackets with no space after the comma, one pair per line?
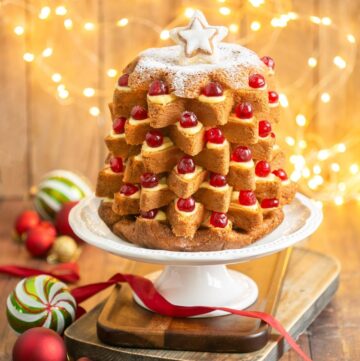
[14,141]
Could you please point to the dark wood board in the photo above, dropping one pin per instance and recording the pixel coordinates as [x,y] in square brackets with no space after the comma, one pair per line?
[310,282]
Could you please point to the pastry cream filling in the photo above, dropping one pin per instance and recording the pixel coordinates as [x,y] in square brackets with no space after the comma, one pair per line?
[245,165]
[192,175]
[167,143]
[187,214]
[125,89]
[207,224]
[269,209]
[235,119]
[161,185]
[262,88]
[210,145]
[273,105]
[161,99]
[192,130]
[108,200]
[160,216]
[216,189]
[133,121]
[271,71]
[285,182]
[270,178]
[138,157]
[133,196]
[116,135]
[110,171]
[204,99]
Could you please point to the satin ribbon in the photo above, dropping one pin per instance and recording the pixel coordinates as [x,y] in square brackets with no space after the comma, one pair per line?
[152,299]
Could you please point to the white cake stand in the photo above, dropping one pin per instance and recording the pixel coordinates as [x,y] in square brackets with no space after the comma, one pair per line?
[201,278]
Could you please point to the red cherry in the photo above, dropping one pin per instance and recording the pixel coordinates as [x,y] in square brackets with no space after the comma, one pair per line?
[264,128]
[119,125]
[186,165]
[217,180]
[273,135]
[139,113]
[262,168]
[214,135]
[241,154]
[270,203]
[244,110]
[247,198]
[154,138]
[39,241]
[219,220]
[158,87]
[280,173]
[268,61]
[49,227]
[212,89]
[124,80]
[186,204]
[26,221]
[149,180]
[116,164]
[256,81]
[128,189]
[149,214]
[188,119]
[273,97]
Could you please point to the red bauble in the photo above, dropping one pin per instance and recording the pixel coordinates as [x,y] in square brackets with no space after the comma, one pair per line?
[39,241]
[49,227]
[26,221]
[39,344]
[62,221]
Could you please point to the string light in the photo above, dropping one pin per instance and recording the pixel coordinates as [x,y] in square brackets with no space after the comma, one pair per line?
[339,62]
[351,38]
[290,141]
[56,78]
[255,26]
[61,10]
[339,200]
[312,62]
[325,97]
[256,3]
[189,12]
[19,30]
[111,73]
[317,169]
[233,28]
[224,11]
[89,92]
[94,111]
[354,168]
[68,24]
[335,167]
[44,12]
[315,19]
[300,120]
[164,35]
[323,154]
[89,26]
[326,21]
[29,57]
[122,22]
[341,147]
[283,100]
[47,52]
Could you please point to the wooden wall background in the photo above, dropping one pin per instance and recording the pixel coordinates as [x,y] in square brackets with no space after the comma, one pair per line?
[38,134]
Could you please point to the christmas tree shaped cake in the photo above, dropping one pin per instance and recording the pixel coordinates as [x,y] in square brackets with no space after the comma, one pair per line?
[193,162]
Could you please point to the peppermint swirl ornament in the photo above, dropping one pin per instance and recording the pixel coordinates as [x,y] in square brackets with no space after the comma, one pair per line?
[40,301]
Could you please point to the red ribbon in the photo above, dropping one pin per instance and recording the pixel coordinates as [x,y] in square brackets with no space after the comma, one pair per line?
[151,298]
[66,272]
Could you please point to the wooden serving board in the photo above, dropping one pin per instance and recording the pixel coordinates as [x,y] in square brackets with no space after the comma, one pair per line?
[310,282]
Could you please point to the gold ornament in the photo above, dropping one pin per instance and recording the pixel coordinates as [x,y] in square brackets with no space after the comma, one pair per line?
[65,249]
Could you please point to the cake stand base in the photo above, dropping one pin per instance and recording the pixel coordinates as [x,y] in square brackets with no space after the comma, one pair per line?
[204,285]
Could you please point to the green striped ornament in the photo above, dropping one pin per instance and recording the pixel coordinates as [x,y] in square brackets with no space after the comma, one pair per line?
[56,188]
[40,301]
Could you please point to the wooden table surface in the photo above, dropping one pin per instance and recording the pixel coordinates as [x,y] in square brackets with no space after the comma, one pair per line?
[334,336]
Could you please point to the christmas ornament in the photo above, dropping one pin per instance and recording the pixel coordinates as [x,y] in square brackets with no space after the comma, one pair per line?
[40,301]
[49,227]
[24,222]
[56,188]
[39,240]
[39,344]
[64,249]
[62,221]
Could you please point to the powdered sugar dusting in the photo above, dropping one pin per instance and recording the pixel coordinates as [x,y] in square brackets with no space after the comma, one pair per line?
[232,69]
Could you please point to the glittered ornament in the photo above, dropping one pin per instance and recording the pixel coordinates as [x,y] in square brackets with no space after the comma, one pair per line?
[39,240]
[40,301]
[39,344]
[56,188]
[64,249]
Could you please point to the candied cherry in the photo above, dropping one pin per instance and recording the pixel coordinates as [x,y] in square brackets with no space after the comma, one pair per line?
[273,97]
[188,120]
[270,203]
[186,204]
[247,198]
[149,214]
[186,165]
[116,164]
[139,113]
[124,80]
[244,110]
[280,173]
[149,180]
[268,61]
[272,134]
[212,89]
[217,180]
[154,138]
[241,154]
[262,168]
[218,219]
[264,128]
[214,135]
[158,87]
[256,81]
[119,125]
[128,189]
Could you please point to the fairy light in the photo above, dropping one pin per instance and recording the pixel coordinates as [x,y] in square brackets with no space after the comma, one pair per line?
[224,11]
[56,78]
[164,35]
[315,19]
[233,28]
[280,22]
[302,144]
[292,15]
[300,120]
[335,167]
[290,140]
[323,154]
[94,111]
[339,200]
[283,100]
[68,24]
[354,168]
[122,22]
[306,173]
[256,3]
[326,21]
[44,12]
[29,57]
[339,62]
[89,92]
[61,10]
[47,52]
[316,169]
[342,187]
[255,26]
[19,30]
[189,12]
[325,97]
[312,62]
[111,73]
[341,148]
[351,38]
[89,26]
